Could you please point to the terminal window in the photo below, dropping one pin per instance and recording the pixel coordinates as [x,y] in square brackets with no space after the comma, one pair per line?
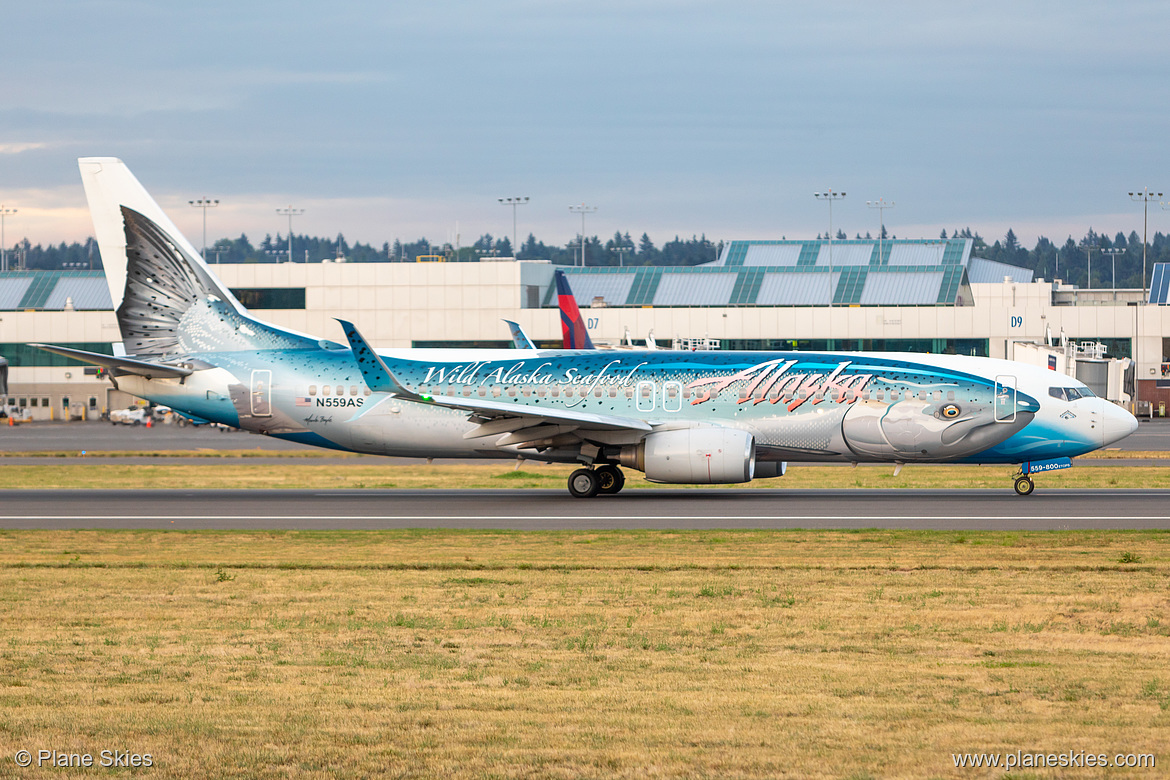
[270,297]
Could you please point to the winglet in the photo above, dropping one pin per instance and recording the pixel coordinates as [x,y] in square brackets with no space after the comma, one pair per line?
[378,377]
[519,337]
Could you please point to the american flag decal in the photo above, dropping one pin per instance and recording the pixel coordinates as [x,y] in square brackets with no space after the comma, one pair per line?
[304,401]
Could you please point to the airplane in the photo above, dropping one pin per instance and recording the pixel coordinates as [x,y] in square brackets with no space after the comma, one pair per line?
[720,417]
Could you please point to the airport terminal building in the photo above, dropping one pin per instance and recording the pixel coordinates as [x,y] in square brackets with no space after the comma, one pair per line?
[927,296]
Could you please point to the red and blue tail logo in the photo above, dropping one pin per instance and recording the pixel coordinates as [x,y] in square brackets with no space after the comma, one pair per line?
[572,326]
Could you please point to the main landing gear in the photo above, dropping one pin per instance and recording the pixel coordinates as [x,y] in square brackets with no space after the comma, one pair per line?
[1024,485]
[587,483]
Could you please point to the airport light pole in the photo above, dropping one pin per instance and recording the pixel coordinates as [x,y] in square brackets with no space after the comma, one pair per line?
[1113,252]
[1145,196]
[881,205]
[830,196]
[290,212]
[513,202]
[621,249]
[1089,247]
[4,212]
[205,204]
[582,210]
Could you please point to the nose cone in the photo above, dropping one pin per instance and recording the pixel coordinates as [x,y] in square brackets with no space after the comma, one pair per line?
[1116,423]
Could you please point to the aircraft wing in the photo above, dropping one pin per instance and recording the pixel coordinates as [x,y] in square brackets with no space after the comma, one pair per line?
[124,365]
[495,417]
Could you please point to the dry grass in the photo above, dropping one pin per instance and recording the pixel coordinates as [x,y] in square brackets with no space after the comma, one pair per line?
[371,473]
[628,654]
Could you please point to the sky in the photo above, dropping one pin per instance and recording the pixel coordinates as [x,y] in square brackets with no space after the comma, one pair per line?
[404,120]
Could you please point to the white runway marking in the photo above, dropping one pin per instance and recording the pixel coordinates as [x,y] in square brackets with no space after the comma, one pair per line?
[606,518]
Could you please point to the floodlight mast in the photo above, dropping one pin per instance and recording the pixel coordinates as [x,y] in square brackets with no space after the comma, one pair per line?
[1089,247]
[513,202]
[830,196]
[1113,252]
[4,212]
[290,212]
[582,210]
[881,205]
[205,204]
[1145,196]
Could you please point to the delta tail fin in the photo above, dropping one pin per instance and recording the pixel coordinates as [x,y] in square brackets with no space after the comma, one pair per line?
[572,326]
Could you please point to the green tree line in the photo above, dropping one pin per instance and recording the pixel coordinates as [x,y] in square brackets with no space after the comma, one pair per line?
[1069,260]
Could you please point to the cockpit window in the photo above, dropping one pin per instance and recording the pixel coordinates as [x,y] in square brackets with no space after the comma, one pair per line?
[1070,393]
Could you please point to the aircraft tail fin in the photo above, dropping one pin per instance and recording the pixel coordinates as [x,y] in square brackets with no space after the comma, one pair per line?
[572,326]
[168,303]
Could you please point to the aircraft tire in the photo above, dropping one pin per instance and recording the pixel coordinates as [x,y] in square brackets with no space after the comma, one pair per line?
[584,483]
[610,479]
[1024,486]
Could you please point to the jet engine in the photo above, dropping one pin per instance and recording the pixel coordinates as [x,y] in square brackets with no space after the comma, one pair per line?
[706,456]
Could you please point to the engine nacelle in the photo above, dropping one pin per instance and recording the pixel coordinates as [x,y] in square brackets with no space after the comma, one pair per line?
[695,456]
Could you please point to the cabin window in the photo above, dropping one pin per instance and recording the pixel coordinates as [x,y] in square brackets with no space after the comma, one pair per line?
[324,389]
[865,396]
[613,392]
[482,392]
[495,392]
[541,392]
[644,389]
[341,389]
[526,392]
[312,389]
[881,395]
[598,393]
[950,395]
[893,395]
[353,389]
[629,392]
[366,391]
[686,392]
[569,392]
[511,392]
[556,392]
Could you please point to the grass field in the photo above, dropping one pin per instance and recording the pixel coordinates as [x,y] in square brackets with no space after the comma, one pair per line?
[107,470]
[566,654]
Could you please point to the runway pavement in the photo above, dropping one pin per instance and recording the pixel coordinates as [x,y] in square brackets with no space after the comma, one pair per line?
[1051,509]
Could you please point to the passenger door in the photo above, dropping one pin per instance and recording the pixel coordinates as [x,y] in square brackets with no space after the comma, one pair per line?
[261,392]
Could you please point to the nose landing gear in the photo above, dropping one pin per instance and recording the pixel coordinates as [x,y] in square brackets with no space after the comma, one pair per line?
[1024,485]
[587,483]
[1023,479]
